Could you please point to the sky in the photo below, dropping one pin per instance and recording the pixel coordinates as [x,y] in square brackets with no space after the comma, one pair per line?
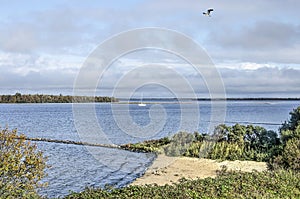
[255,45]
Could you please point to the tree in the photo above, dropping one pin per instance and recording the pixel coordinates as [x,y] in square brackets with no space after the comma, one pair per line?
[288,157]
[288,129]
[21,166]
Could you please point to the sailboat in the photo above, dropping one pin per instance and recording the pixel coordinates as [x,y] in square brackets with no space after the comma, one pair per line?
[141,102]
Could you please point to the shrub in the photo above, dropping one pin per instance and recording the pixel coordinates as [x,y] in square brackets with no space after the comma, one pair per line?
[21,166]
[147,146]
[288,155]
[293,122]
[236,142]
[180,143]
[241,142]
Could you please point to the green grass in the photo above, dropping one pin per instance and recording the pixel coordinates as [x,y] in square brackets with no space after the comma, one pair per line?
[279,184]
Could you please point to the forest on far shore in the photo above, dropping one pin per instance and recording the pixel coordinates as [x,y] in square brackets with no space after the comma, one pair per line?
[40,98]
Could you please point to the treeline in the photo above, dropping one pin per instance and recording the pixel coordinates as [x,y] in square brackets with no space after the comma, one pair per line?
[249,99]
[216,99]
[40,98]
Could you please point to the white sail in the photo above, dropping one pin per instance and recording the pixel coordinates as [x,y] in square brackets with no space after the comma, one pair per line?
[141,102]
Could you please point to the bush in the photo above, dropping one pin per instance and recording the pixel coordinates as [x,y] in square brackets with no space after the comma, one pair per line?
[236,142]
[288,156]
[179,144]
[21,166]
[293,122]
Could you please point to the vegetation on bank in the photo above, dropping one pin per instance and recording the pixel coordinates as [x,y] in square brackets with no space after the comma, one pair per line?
[21,166]
[288,154]
[40,98]
[236,142]
[228,184]
[148,145]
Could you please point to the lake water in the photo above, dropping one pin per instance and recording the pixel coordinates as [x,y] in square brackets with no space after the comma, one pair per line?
[74,167]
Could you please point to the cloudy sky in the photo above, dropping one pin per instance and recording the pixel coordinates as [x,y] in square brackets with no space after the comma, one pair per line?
[255,45]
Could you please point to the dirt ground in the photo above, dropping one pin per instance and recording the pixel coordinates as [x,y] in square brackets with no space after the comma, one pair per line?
[166,170]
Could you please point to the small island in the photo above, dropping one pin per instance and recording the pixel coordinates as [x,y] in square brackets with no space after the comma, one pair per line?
[41,98]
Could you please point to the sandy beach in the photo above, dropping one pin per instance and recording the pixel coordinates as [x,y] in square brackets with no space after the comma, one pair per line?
[166,170]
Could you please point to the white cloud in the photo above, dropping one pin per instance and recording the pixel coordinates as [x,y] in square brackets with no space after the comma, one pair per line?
[243,65]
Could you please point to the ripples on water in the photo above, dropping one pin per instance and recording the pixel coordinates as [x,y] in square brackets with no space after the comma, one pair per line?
[73,167]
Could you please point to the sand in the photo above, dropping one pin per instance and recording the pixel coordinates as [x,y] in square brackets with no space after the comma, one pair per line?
[167,170]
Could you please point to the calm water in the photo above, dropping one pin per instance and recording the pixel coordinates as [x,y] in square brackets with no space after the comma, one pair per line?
[73,167]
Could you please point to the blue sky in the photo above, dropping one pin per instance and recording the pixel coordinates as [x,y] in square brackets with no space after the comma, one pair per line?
[254,44]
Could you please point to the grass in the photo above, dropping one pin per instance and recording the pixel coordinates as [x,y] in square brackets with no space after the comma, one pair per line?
[268,184]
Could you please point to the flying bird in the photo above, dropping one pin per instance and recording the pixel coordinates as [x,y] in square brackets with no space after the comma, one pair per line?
[207,13]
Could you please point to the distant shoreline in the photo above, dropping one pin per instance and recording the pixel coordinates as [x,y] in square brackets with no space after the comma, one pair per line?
[44,98]
[19,98]
[211,99]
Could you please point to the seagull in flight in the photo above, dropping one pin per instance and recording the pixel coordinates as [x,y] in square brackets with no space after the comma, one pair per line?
[207,13]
